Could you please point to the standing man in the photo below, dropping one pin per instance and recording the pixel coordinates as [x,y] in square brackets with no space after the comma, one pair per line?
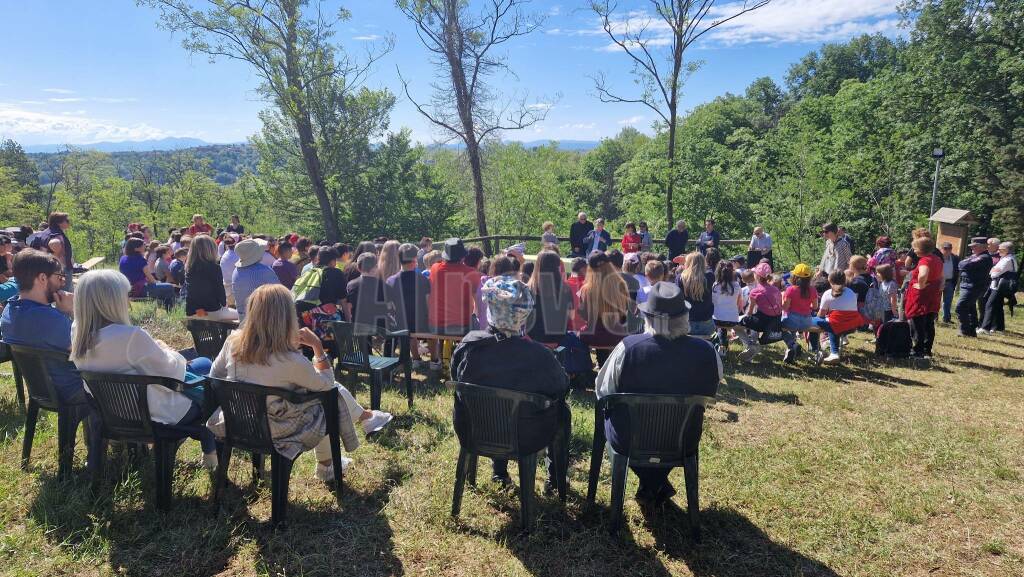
[837,252]
[577,232]
[663,360]
[709,238]
[597,239]
[676,239]
[843,236]
[974,281]
[950,275]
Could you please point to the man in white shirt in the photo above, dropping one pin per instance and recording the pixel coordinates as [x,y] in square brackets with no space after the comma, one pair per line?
[227,267]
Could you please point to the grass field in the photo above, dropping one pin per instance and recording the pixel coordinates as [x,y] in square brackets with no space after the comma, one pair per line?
[869,469]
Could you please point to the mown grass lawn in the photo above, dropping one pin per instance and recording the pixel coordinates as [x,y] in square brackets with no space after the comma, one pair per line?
[869,469]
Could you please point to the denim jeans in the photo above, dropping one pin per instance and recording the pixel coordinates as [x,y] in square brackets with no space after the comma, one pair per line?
[796,323]
[702,328]
[947,300]
[161,291]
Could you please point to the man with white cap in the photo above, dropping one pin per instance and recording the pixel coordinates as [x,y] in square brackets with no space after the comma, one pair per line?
[663,360]
[250,273]
[500,357]
[974,280]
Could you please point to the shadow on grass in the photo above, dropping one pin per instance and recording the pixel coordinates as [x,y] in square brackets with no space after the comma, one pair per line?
[732,545]
[321,539]
[1006,372]
[121,521]
[12,418]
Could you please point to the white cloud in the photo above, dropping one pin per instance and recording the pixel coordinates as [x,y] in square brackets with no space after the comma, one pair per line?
[31,102]
[367,37]
[59,90]
[541,106]
[631,120]
[579,126]
[72,99]
[108,100]
[70,128]
[780,21]
[555,10]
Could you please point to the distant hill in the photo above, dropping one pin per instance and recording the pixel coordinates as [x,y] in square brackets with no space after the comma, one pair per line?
[170,143]
[578,145]
[224,163]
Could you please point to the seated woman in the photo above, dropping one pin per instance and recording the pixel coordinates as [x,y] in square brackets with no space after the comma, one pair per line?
[265,351]
[604,299]
[799,302]
[839,308]
[554,303]
[103,340]
[134,267]
[204,283]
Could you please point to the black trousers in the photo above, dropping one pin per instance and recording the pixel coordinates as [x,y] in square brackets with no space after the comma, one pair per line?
[922,329]
[994,319]
[967,311]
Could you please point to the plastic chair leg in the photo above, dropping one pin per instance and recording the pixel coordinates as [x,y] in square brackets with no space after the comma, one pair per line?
[335,442]
[165,451]
[619,471]
[376,384]
[561,454]
[596,453]
[474,460]
[19,384]
[281,474]
[527,486]
[97,458]
[407,367]
[31,416]
[691,471]
[223,460]
[67,426]
[257,468]
[460,481]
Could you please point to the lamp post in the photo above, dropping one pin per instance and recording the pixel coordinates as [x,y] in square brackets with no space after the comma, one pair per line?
[937,154]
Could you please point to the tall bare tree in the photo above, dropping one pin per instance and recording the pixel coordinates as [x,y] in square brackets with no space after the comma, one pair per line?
[290,52]
[660,73]
[463,43]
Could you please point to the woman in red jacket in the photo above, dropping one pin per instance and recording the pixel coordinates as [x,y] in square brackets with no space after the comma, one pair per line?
[631,240]
[924,296]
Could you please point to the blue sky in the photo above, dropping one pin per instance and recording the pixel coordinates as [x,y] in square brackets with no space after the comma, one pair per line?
[77,71]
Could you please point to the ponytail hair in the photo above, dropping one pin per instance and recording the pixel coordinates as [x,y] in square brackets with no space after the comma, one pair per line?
[837,279]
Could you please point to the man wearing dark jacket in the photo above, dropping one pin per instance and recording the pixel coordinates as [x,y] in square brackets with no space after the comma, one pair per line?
[577,232]
[973,283]
[500,358]
[950,276]
[664,360]
[676,240]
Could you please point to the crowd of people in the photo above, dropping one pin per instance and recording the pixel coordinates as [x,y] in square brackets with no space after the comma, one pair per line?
[642,314]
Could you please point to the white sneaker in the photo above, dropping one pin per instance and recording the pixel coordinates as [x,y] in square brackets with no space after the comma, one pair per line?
[326,472]
[377,422]
[832,359]
[210,461]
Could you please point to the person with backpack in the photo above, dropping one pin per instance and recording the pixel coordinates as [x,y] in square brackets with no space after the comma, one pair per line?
[1004,285]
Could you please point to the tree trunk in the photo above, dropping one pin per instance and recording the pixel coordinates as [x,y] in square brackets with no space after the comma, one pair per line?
[473,150]
[316,179]
[671,169]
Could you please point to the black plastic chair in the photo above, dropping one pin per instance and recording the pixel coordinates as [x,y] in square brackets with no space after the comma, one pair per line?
[355,357]
[665,431]
[493,431]
[209,336]
[247,427]
[122,403]
[19,382]
[32,362]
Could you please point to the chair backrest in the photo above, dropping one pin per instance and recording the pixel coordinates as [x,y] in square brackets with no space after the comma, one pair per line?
[209,336]
[493,418]
[634,321]
[353,342]
[122,402]
[663,428]
[34,364]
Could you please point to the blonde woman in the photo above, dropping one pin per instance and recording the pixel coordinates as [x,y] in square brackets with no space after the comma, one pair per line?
[265,351]
[603,301]
[389,264]
[697,281]
[204,283]
[103,340]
